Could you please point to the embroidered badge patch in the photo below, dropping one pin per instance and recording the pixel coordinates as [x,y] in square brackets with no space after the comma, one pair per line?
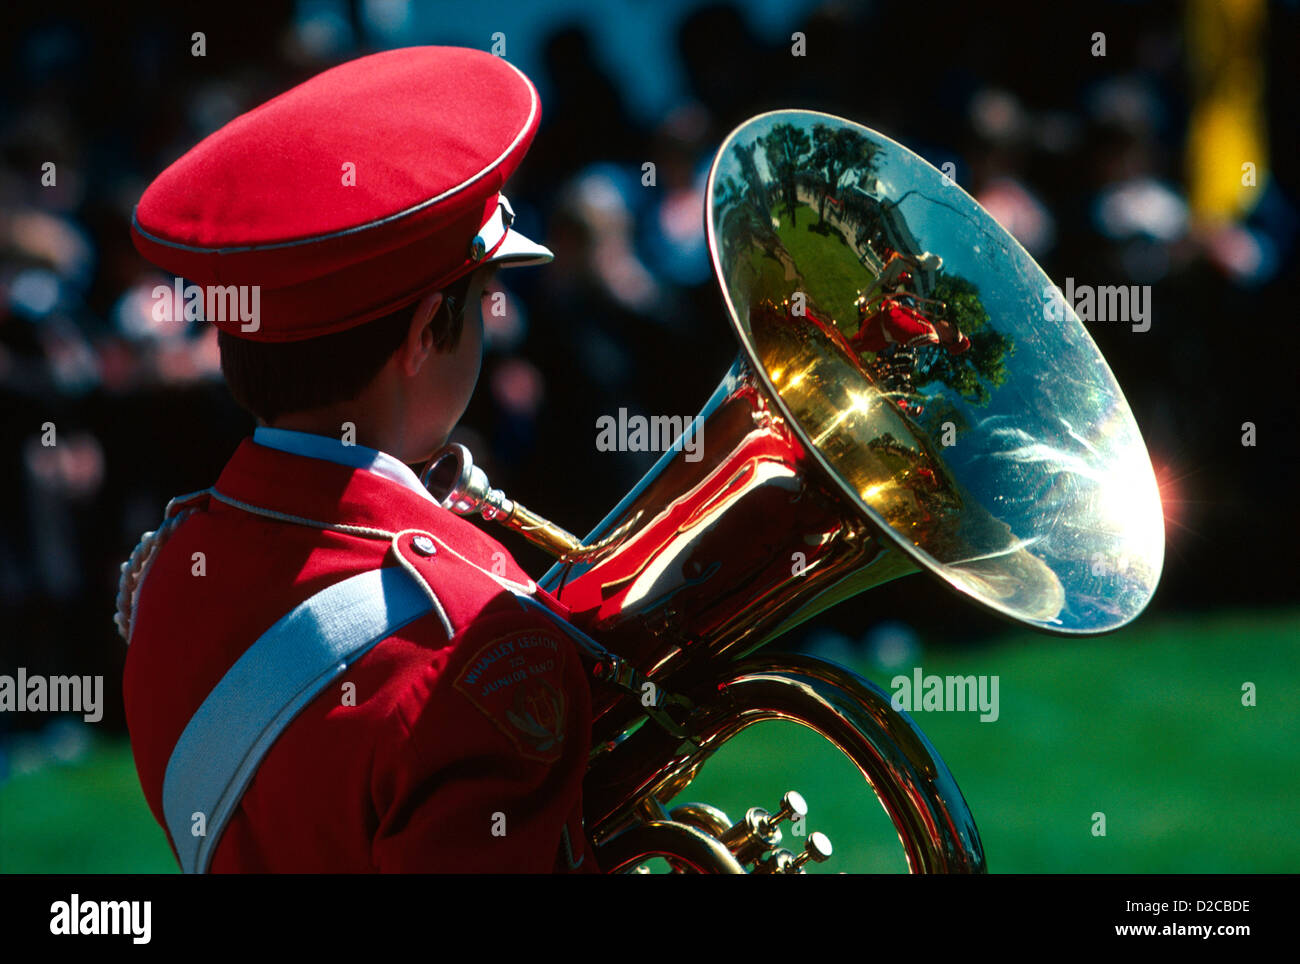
[515,681]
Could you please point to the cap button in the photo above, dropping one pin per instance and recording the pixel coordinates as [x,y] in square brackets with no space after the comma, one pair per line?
[423,545]
[477,248]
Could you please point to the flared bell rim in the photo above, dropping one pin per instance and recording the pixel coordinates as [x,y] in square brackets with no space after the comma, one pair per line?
[954,578]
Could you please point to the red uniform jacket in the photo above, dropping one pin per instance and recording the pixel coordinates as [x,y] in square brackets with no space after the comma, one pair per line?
[425,755]
[893,323]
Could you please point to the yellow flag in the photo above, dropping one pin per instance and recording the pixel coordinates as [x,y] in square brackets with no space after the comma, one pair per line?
[1226,142]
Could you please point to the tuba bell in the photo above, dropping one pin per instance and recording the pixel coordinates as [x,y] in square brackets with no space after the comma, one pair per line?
[911,394]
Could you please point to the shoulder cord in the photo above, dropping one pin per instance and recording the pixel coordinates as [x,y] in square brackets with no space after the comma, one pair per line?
[366,532]
[137,564]
[136,567]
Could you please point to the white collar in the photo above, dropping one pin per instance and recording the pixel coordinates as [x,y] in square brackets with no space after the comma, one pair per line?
[334,450]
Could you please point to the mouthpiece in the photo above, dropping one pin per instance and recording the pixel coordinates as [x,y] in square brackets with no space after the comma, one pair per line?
[462,487]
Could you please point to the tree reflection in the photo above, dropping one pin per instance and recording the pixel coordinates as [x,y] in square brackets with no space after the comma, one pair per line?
[786,149]
[758,205]
[975,372]
[839,153]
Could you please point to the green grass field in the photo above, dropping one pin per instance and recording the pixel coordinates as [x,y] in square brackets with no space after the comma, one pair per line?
[831,270]
[1146,726]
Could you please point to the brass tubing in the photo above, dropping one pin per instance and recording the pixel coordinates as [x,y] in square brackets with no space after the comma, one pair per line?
[910,779]
[541,532]
[676,842]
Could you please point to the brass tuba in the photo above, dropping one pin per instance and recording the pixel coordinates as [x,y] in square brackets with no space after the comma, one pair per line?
[912,393]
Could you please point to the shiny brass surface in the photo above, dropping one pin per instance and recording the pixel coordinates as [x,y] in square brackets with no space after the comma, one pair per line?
[683,846]
[459,485]
[934,823]
[793,807]
[721,554]
[751,837]
[704,817]
[909,396]
[1044,506]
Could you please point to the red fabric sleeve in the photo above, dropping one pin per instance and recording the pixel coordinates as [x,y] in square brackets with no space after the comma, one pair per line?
[483,769]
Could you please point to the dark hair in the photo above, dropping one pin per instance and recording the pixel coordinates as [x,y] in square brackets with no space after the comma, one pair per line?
[271,379]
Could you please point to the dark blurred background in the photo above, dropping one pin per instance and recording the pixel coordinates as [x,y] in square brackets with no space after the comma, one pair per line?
[1115,169]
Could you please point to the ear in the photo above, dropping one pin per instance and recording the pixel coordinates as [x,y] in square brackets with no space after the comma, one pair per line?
[418,345]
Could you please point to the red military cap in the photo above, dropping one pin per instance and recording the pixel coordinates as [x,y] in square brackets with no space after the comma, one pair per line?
[351,195]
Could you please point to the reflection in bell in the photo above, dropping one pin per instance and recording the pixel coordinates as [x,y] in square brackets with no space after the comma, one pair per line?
[917,301]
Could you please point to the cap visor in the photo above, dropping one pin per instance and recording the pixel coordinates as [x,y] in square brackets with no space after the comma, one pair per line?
[517,251]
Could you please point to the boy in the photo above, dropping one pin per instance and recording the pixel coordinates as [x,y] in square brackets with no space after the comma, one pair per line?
[327,671]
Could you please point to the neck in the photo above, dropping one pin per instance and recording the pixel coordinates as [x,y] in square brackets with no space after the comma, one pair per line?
[361,421]
[387,415]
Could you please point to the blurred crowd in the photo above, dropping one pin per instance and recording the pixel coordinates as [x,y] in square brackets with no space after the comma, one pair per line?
[1085,158]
